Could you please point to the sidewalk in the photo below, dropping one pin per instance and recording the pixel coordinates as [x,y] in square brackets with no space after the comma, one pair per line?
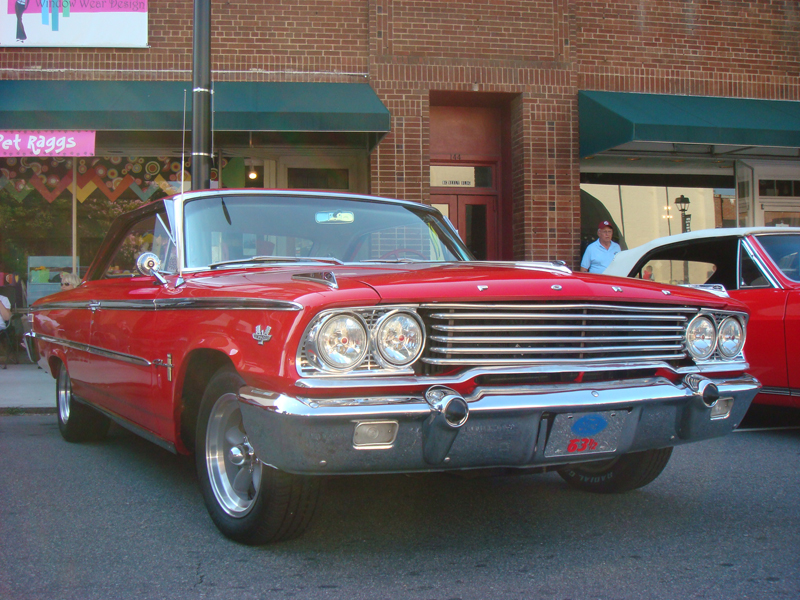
[26,388]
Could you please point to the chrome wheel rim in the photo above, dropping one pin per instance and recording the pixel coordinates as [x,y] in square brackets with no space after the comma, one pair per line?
[63,394]
[234,470]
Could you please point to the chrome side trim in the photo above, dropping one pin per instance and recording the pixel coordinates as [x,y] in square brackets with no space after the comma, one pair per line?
[226,304]
[778,391]
[121,356]
[61,306]
[179,304]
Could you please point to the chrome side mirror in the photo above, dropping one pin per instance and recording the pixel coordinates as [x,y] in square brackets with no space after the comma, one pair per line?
[149,264]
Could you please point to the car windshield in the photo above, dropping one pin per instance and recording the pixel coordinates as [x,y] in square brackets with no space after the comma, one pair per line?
[784,249]
[233,230]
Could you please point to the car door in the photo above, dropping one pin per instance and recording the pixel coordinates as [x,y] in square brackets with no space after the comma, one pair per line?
[779,255]
[766,300]
[123,327]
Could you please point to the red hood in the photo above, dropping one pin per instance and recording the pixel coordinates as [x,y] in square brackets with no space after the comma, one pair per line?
[464,282]
[490,282]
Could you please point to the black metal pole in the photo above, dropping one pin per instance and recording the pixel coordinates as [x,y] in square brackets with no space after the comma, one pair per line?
[201,96]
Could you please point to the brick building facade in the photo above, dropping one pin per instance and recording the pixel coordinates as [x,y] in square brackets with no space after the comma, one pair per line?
[439,67]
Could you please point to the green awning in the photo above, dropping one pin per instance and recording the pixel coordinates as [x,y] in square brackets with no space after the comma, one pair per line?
[610,119]
[159,106]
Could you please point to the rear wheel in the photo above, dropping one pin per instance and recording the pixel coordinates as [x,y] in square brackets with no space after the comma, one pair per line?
[77,421]
[622,474]
[248,501]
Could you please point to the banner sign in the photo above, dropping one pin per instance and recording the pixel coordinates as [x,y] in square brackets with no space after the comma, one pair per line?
[47,143]
[74,23]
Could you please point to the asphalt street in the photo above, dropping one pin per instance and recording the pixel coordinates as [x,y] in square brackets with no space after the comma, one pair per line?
[124,519]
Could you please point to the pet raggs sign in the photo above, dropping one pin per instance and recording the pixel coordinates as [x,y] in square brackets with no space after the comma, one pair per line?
[47,143]
[74,23]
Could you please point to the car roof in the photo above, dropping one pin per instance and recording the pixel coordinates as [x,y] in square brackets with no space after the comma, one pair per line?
[625,261]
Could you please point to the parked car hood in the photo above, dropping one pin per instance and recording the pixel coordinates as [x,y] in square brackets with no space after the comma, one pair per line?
[447,282]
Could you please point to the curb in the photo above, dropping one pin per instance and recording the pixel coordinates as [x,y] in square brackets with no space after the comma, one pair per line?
[17,411]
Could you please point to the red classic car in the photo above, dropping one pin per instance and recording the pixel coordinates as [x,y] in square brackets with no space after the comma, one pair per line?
[760,267]
[283,336]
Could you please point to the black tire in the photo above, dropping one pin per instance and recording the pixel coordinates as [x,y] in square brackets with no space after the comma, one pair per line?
[623,474]
[77,422]
[249,502]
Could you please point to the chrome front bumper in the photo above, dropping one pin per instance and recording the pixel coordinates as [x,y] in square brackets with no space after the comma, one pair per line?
[501,427]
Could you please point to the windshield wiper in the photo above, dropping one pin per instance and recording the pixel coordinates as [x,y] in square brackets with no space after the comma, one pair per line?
[274,259]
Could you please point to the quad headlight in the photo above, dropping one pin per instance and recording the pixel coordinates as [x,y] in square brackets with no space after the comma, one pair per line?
[399,338]
[373,339]
[707,333]
[730,339]
[701,337]
[342,341]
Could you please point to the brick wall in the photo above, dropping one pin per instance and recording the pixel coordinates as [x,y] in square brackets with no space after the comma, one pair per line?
[291,40]
[712,47]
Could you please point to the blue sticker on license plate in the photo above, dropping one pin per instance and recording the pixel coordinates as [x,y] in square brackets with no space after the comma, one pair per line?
[579,434]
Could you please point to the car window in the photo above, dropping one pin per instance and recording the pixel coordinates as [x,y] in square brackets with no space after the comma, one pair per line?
[750,276]
[785,251]
[714,260]
[151,234]
[677,272]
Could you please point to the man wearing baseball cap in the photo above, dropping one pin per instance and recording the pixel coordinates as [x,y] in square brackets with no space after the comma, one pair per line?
[600,252]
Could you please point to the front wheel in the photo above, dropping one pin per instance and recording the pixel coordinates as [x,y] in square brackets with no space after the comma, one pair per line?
[248,501]
[622,474]
[77,422]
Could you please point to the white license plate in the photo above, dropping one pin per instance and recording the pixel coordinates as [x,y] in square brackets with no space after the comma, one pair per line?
[579,434]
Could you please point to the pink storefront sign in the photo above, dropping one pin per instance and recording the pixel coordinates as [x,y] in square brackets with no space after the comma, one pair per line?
[47,143]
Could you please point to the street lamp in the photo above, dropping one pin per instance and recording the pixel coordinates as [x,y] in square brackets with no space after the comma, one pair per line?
[682,202]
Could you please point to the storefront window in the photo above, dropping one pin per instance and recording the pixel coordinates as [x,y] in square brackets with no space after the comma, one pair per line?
[779,187]
[36,201]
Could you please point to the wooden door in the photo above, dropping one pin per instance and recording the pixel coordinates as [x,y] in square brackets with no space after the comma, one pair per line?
[474,216]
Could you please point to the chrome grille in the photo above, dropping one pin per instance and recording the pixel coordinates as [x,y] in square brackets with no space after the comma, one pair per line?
[581,333]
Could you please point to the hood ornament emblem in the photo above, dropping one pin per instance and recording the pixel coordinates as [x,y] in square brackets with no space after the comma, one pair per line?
[483,288]
[555,287]
[262,336]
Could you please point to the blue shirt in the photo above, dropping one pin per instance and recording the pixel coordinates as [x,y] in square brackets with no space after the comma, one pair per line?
[596,258]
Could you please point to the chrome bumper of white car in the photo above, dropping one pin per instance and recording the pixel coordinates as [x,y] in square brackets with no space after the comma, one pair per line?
[495,427]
